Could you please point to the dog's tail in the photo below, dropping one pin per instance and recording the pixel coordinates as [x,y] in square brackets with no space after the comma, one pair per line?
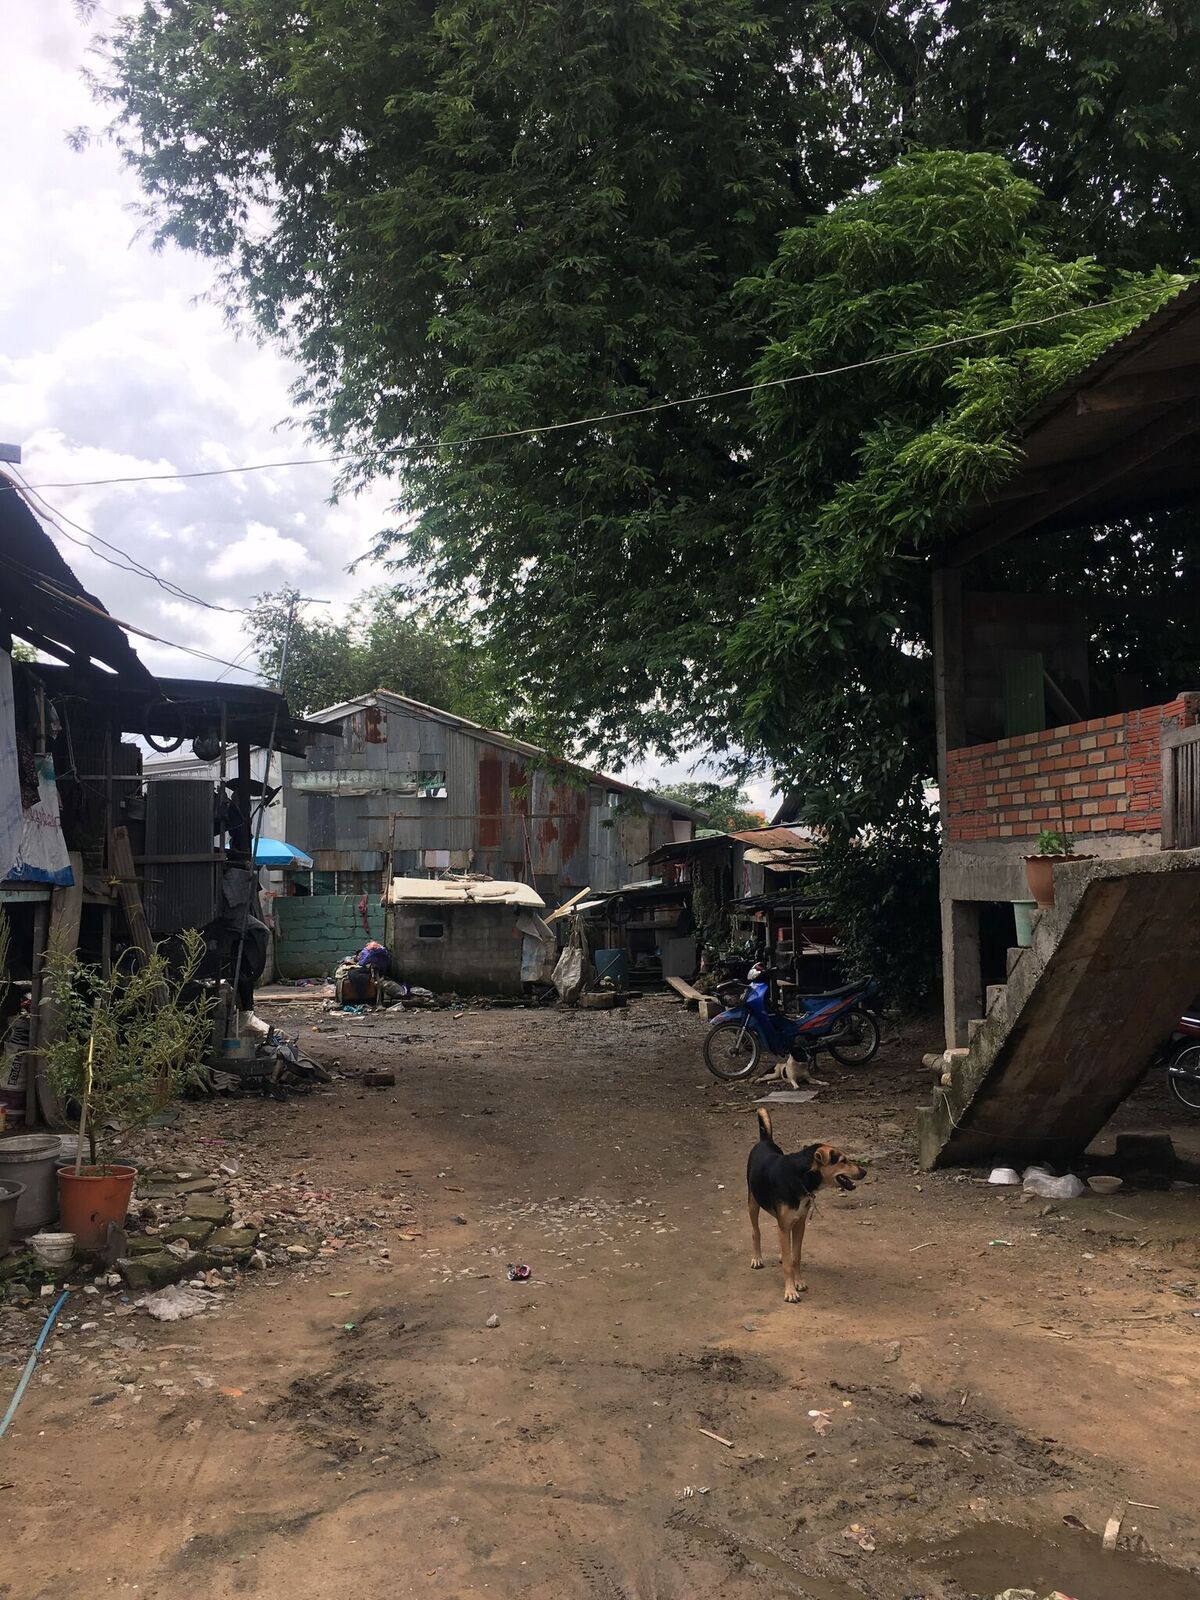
[764,1123]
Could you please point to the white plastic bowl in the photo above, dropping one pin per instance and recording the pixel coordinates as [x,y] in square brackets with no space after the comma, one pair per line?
[1103,1183]
[53,1249]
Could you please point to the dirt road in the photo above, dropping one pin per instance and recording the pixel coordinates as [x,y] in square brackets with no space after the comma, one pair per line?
[964,1374]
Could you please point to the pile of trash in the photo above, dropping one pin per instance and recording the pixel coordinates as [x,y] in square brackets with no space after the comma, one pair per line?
[1041,1181]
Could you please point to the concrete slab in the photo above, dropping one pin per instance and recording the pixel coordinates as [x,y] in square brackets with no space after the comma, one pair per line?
[1110,969]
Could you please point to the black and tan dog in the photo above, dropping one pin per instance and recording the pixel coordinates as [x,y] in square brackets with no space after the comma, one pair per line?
[786,1186]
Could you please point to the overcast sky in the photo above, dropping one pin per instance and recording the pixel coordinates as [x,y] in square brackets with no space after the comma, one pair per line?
[112,362]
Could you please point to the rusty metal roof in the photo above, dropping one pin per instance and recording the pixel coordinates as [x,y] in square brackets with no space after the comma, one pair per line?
[1122,437]
[418,708]
[43,602]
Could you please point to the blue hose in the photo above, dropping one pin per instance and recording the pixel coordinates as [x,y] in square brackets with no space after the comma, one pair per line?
[32,1362]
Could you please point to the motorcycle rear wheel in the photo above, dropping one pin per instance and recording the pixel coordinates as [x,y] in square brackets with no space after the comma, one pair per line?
[1183,1077]
[859,1043]
[731,1051]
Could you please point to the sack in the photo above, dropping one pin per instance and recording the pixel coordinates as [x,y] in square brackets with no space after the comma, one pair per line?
[569,974]
[1039,1181]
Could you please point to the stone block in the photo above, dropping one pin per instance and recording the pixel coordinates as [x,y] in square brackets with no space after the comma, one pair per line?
[228,1245]
[207,1208]
[193,1233]
[154,1270]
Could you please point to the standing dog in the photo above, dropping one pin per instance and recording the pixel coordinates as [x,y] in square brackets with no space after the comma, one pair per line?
[786,1186]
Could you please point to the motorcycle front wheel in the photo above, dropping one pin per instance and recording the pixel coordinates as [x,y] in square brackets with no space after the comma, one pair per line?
[1183,1076]
[731,1050]
[857,1044]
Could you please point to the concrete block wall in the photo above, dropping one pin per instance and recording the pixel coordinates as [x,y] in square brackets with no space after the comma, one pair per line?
[1100,776]
[314,932]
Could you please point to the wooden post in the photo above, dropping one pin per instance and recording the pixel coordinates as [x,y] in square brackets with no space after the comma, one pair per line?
[121,856]
[948,671]
[242,839]
[41,923]
[66,909]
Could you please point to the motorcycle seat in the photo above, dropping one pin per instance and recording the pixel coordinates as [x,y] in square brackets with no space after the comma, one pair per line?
[837,994]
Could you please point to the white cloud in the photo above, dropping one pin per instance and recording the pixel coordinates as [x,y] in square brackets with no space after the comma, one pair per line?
[263,553]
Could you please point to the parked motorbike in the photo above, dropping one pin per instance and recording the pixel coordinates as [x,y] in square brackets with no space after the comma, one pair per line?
[753,1023]
[1181,1057]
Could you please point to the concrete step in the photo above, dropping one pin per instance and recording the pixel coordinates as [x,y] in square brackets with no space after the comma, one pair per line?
[973,1028]
[995,991]
[1116,958]
[1015,952]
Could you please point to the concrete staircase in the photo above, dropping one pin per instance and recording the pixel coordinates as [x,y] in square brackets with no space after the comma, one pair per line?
[1110,969]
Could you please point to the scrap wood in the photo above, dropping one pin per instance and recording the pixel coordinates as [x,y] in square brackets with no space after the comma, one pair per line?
[1112,1528]
[709,1434]
[685,990]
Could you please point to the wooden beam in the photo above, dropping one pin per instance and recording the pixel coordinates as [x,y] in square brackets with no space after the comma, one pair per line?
[121,858]
[948,677]
[1156,388]
[1080,483]
[66,908]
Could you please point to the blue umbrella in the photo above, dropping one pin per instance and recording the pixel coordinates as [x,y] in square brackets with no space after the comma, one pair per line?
[274,853]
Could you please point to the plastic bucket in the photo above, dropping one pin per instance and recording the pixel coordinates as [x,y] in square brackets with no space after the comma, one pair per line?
[30,1159]
[92,1199]
[10,1195]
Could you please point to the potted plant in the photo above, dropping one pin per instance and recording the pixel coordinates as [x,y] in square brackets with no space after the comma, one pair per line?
[1051,846]
[122,1045]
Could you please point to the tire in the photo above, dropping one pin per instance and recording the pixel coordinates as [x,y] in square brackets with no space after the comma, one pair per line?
[731,1050]
[860,1042]
[1184,1086]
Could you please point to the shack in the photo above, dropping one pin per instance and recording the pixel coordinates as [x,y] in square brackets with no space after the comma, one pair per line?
[468,935]
[85,858]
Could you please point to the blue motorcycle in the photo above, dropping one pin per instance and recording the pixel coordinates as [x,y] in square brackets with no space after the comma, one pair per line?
[752,1025]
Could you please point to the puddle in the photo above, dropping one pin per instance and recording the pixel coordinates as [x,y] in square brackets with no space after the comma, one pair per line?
[993,1556]
[799,1583]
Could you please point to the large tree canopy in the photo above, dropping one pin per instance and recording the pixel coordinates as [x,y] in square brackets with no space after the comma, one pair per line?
[475,218]
[383,644]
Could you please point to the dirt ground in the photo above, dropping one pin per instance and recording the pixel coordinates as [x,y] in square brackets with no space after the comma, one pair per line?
[964,1395]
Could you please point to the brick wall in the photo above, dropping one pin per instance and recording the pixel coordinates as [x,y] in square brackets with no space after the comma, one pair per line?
[1102,776]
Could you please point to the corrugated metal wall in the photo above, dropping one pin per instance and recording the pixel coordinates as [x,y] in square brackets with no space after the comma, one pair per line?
[179,821]
[500,814]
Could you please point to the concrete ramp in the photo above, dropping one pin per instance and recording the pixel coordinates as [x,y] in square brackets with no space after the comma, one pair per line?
[1110,969]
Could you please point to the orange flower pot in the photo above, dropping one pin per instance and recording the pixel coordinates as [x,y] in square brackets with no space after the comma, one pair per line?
[92,1198]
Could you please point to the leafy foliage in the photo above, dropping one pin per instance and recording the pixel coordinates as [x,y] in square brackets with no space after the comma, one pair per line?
[150,1027]
[881,889]
[860,478]
[726,807]
[384,644]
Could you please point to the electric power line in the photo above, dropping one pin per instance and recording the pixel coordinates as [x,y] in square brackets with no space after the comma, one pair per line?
[608,416]
[42,581]
[56,517]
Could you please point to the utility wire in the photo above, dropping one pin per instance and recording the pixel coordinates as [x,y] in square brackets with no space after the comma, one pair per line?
[47,585]
[610,416]
[57,517]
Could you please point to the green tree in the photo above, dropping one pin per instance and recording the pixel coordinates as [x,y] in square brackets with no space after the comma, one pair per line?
[454,241]
[385,643]
[725,806]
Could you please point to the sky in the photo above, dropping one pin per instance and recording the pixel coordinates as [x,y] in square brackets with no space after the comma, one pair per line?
[115,360]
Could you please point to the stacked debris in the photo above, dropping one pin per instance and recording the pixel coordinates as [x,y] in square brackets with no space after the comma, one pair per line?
[187,1230]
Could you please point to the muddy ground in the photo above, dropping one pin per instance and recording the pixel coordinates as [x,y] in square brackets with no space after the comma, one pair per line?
[965,1394]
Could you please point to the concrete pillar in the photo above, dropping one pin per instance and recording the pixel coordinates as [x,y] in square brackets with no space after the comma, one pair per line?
[962,978]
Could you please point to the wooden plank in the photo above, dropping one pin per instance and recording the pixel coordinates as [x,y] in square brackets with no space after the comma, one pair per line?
[41,923]
[66,908]
[948,690]
[121,857]
[1134,451]
[684,989]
